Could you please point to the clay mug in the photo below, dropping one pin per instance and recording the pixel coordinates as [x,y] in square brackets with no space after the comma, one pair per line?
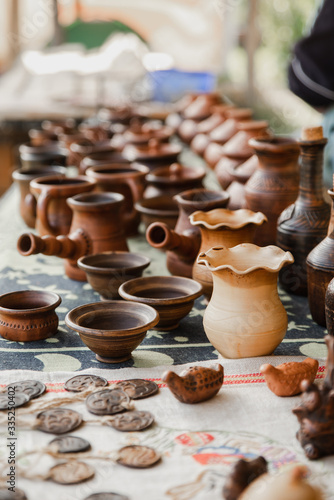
[32,157]
[173,179]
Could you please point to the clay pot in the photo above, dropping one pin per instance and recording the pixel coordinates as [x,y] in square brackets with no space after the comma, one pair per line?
[28,315]
[107,271]
[245,316]
[126,180]
[27,201]
[190,128]
[59,126]
[200,108]
[154,154]
[171,296]
[39,137]
[141,133]
[96,227]
[112,329]
[304,224]
[240,174]
[274,184]
[226,228]
[85,147]
[237,150]
[53,215]
[96,133]
[67,138]
[201,140]
[173,179]
[102,157]
[32,157]
[158,208]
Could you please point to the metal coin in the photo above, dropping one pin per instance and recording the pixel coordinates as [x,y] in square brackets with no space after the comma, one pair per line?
[138,388]
[9,401]
[132,421]
[80,383]
[106,496]
[69,444]
[58,420]
[6,494]
[137,456]
[32,388]
[107,402]
[71,473]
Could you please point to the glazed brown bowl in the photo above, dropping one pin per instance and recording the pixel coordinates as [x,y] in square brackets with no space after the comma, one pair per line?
[28,315]
[172,296]
[112,329]
[158,209]
[107,271]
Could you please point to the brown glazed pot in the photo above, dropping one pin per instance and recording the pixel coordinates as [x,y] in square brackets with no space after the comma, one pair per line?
[154,154]
[274,184]
[53,215]
[240,174]
[79,149]
[96,227]
[27,201]
[173,179]
[158,208]
[102,157]
[304,224]
[126,180]
[33,157]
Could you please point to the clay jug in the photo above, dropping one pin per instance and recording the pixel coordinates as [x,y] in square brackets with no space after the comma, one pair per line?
[245,316]
[152,155]
[240,174]
[237,150]
[304,224]
[274,184]
[221,227]
[173,179]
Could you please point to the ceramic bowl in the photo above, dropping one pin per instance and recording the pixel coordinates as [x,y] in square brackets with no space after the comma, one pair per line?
[28,315]
[158,209]
[172,296]
[107,271]
[112,329]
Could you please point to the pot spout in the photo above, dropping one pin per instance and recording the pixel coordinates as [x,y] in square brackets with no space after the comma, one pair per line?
[160,236]
[67,247]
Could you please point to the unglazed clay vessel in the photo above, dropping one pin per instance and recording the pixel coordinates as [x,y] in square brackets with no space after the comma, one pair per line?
[78,150]
[245,316]
[201,140]
[173,179]
[285,379]
[158,208]
[221,227]
[101,158]
[240,174]
[243,473]
[154,154]
[195,384]
[32,157]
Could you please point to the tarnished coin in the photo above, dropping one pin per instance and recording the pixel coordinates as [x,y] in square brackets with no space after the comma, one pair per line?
[58,420]
[6,494]
[138,388]
[132,421]
[137,456]
[69,444]
[106,496]
[80,383]
[32,388]
[71,472]
[107,402]
[12,400]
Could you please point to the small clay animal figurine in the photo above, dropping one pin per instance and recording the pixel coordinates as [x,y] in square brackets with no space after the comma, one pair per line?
[242,474]
[285,379]
[315,413]
[196,384]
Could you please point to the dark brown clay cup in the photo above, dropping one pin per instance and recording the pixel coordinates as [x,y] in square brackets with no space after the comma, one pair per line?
[158,209]
[32,157]
[107,271]
[28,315]
[172,296]
[112,329]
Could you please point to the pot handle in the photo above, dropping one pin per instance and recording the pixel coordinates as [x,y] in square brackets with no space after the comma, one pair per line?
[30,205]
[42,212]
[137,187]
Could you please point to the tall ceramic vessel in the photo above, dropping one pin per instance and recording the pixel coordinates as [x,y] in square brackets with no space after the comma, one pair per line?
[304,224]
[245,316]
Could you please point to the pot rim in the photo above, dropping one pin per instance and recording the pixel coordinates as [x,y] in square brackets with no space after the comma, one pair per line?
[95,269]
[55,301]
[217,196]
[232,219]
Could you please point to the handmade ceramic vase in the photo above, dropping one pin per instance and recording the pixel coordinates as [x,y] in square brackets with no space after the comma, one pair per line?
[173,179]
[304,224]
[274,184]
[222,227]
[245,316]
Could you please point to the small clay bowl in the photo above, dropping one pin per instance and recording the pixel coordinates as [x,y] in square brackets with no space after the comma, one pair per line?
[158,209]
[172,296]
[107,271]
[28,315]
[112,329]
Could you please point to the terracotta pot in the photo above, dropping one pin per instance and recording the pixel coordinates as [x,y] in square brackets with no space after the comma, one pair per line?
[189,129]
[142,133]
[40,137]
[304,224]
[84,147]
[95,133]
[158,208]
[154,154]
[240,174]
[200,108]
[33,157]
[226,228]
[27,201]
[59,126]
[53,215]
[101,157]
[274,185]
[126,180]
[96,227]
[245,316]
[173,179]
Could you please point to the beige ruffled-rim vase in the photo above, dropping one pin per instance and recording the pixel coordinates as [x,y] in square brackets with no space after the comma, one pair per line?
[245,316]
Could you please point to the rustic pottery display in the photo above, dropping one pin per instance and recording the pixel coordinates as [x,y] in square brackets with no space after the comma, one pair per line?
[315,413]
[221,227]
[154,154]
[242,474]
[53,215]
[28,315]
[172,296]
[274,184]
[285,379]
[173,179]
[245,316]
[32,157]
[195,384]
[107,271]
[102,157]
[158,208]
[112,329]
[240,174]
[304,224]
[96,227]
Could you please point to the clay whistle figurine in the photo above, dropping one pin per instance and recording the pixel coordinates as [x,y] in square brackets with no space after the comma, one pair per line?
[242,474]
[285,379]
[196,384]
